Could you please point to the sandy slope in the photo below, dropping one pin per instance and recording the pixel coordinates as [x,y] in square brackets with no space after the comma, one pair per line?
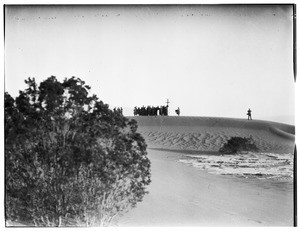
[209,133]
[181,195]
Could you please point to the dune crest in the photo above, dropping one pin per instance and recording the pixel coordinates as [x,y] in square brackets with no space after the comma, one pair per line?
[210,133]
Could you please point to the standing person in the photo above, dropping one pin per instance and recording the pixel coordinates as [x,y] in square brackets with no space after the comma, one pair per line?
[249,114]
[160,111]
[164,111]
[178,111]
[167,107]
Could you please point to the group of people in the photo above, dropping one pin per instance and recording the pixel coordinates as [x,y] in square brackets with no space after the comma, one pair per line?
[119,110]
[151,111]
[162,111]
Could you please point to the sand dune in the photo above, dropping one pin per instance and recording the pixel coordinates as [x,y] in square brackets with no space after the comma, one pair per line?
[210,133]
[193,185]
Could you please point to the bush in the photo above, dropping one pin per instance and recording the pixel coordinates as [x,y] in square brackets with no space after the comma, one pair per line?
[69,159]
[239,144]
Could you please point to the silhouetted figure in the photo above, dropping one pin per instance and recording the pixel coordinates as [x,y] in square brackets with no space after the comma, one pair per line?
[155,110]
[177,111]
[135,111]
[249,114]
[164,110]
[143,111]
[160,111]
[148,111]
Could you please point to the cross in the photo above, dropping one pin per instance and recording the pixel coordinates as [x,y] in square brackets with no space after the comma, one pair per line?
[167,102]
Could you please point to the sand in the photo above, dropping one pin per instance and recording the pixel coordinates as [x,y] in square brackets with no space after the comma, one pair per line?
[183,195]
[209,133]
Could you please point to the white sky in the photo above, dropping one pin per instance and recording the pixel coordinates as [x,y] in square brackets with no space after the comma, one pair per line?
[207,60]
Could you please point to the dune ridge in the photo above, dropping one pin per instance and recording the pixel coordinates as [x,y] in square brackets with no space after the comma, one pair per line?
[193,185]
[210,133]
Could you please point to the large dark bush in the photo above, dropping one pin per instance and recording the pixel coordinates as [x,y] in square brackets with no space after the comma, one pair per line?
[69,159]
[238,144]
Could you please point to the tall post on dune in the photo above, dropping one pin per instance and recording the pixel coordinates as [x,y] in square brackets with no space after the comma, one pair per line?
[167,106]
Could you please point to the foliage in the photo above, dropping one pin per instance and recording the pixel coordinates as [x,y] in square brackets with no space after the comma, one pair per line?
[70,160]
[239,144]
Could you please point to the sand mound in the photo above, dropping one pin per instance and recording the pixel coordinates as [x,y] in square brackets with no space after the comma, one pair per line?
[219,190]
[208,134]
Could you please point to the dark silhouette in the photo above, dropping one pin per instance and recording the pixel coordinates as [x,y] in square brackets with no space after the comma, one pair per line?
[118,110]
[151,111]
[239,144]
[164,110]
[135,111]
[177,111]
[249,114]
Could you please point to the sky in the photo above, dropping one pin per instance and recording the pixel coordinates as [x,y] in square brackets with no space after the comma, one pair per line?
[208,60]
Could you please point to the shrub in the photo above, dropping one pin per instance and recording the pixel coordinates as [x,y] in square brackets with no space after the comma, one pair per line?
[239,144]
[69,159]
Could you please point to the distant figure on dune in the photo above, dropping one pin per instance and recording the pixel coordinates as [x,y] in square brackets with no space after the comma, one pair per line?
[118,110]
[149,110]
[177,111]
[249,114]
